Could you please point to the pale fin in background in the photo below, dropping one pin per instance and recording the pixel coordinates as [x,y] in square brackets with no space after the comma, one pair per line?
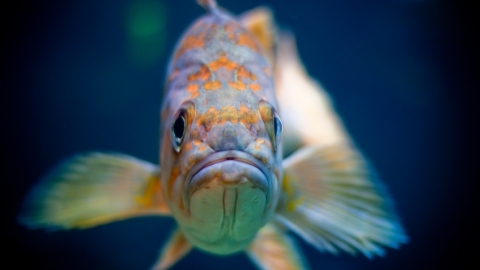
[259,22]
[303,102]
[175,249]
[273,249]
[333,201]
[92,189]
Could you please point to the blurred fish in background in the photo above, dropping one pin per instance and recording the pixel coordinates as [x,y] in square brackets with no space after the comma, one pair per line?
[86,76]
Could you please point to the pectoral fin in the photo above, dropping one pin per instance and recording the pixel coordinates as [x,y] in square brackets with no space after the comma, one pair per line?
[175,249]
[333,200]
[273,249]
[93,189]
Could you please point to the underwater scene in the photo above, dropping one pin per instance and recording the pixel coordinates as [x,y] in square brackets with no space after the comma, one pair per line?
[90,76]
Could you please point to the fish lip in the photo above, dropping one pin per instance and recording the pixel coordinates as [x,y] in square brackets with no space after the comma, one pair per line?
[222,156]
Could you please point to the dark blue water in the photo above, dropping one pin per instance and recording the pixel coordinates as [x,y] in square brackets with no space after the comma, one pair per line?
[88,75]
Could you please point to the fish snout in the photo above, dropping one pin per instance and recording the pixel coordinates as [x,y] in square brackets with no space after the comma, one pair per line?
[227,199]
[229,173]
[228,137]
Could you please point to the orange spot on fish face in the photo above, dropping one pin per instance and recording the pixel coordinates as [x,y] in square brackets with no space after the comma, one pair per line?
[202,74]
[211,31]
[209,86]
[233,119]
[194,95]
[230,30]
[222,61]
[207,118]
[189,43]
[187,146]
[192,88]
[211,110]
[243,109]
[197,142]
[258,141]
[244,39]
[242,72]
[228,109]
[248,118]
[239,85]
[173,177]
[194,133]
[267,144]
[227,114]
[254,86]
[267,71]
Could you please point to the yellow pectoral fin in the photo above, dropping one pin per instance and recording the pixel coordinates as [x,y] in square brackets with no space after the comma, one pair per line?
[273,249]
[93,189]
[334,201]
[175,249]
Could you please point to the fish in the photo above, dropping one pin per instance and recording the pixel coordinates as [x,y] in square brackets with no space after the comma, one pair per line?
[251,148]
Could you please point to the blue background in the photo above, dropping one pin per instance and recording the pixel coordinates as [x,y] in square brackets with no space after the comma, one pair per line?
[88,75]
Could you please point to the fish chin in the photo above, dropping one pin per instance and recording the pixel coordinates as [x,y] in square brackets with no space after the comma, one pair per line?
[228,197]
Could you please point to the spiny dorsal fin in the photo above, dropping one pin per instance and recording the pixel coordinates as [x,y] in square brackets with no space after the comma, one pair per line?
[209,5]
[259,21]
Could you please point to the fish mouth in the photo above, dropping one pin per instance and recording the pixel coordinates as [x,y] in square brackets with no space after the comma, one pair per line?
[253,170]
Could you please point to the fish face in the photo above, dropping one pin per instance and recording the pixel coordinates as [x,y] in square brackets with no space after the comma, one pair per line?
[228,170]
[228,195]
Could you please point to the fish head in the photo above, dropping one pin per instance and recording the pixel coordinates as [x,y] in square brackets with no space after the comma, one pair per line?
[221,167]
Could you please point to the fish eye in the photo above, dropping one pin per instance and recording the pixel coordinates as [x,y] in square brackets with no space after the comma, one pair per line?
[277,125]
[178,131]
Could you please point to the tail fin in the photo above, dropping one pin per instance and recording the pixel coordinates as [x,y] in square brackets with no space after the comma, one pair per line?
[93,189]
[335,202]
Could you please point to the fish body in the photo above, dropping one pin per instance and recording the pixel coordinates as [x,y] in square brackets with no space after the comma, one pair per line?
[236,94]
[221,180]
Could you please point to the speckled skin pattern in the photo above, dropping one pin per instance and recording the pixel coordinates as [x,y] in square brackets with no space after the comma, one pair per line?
[220,81]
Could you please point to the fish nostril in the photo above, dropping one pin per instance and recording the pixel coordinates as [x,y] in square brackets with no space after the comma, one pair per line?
[228,132]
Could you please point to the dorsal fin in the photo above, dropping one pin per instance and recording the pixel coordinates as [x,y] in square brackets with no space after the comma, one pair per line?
[209,5]
[259,21]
